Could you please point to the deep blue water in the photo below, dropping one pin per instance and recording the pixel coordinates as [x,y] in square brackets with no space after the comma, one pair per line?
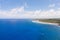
[27,30]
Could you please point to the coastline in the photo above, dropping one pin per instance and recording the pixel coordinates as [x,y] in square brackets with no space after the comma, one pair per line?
[36,21]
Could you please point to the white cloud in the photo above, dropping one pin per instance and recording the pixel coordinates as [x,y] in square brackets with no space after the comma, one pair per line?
[51,5]
[13,13]
[26,5]
[49,14]
[15,10]
[58,3]
[20,12]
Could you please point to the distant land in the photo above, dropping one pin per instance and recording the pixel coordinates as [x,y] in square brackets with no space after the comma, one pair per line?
[52,20]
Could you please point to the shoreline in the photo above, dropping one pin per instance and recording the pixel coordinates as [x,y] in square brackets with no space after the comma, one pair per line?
[36,21]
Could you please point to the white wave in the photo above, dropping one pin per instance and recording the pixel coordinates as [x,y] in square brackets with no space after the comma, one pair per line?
[45,23]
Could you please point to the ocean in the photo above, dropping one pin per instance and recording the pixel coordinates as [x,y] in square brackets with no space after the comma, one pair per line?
[24,29]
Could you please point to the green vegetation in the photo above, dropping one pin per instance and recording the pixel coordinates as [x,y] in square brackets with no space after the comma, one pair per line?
[50,20]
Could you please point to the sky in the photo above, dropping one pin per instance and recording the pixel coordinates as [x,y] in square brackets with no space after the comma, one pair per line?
[30,9]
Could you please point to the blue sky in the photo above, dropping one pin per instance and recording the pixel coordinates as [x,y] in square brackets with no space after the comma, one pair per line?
[8,4]
[33,4]
[30,5]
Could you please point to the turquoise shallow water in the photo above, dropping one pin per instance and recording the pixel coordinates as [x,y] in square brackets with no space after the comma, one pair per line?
[26,30]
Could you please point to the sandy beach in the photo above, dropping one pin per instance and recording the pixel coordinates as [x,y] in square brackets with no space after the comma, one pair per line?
[36,21]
